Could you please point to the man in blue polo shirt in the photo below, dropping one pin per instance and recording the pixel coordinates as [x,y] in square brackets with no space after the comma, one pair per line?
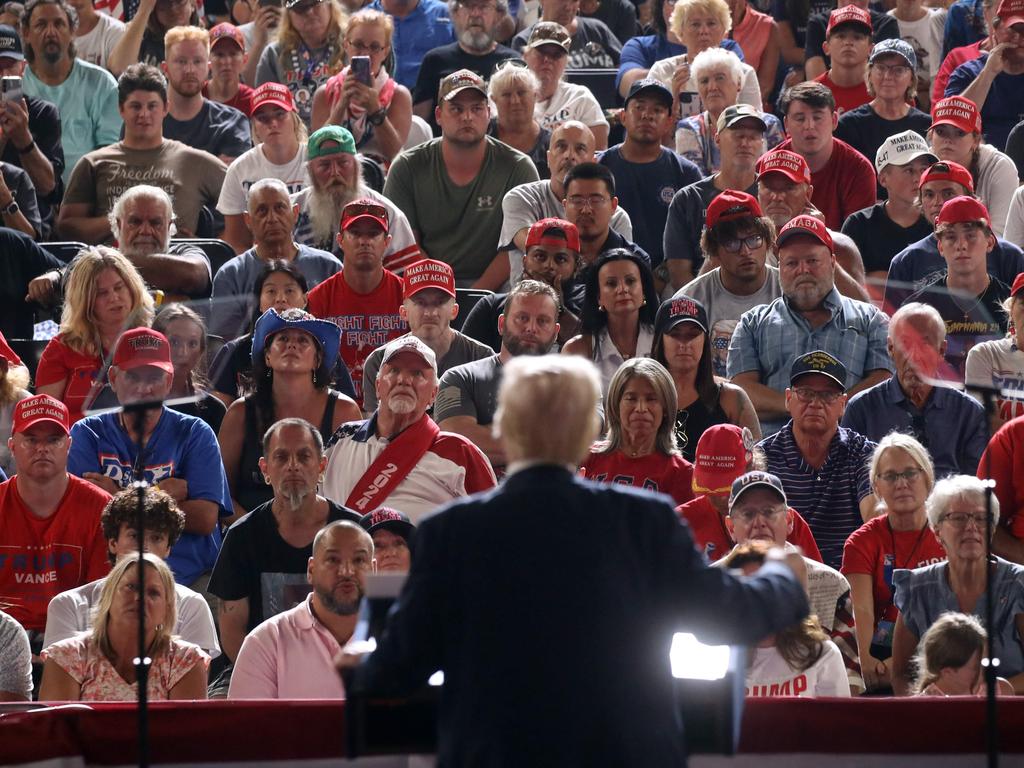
[420,26]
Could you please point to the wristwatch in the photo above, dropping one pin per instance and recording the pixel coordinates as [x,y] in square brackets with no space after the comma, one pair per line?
[11,209]
[377,117]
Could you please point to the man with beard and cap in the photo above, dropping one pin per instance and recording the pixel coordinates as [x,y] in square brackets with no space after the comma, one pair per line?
[291,656]
[336,179]
[467,397]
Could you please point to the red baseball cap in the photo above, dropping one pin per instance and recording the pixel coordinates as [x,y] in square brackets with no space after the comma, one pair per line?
[959,112]
[805,225]
[963,209]
[143,346]
[38,408]
[722,454]
[364,208]
[848,14]
[1011,12]
[789,164]
[428,273]
[275,94]
[1018,284]
[947,170]
[730,205]
[564,231]
[225,31]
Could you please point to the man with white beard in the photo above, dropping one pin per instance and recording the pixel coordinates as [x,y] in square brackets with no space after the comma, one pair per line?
[399,456]
[336,179]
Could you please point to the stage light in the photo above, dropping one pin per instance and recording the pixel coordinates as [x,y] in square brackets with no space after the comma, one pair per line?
[692,660]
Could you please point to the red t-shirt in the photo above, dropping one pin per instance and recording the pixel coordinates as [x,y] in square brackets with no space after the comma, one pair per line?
[242,100]
[713,539]
[1003,462]
[876,550]
[10,354]
[59,362]
[847,97]
[845,185]
[671,475]
[42,557]
[367,320]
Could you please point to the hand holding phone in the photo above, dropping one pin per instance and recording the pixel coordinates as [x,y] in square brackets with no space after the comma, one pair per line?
[361,69]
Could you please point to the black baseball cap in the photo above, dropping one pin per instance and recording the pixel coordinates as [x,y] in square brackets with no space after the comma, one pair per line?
[821,362]
[388,519]
[651,86]
[10,43]
[680,309]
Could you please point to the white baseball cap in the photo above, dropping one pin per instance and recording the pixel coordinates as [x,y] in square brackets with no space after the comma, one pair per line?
[901,149]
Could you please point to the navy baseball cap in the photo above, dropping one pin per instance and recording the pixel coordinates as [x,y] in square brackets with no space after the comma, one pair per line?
[756,479]
[821,362]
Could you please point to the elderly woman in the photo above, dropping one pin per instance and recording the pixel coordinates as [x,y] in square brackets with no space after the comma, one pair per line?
[619,304]
[514,90]
[957,515]
[99,665]
[292,356]
[998,362]
[902,476]
[719,76]
[639,448]
[104,295]
[700,25]
[949,658]
[378,113]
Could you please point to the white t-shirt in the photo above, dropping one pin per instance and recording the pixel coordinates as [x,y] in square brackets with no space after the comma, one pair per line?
[770,675]
[250,167]
[569,102]
[926,36]
[95,46]
[998,363]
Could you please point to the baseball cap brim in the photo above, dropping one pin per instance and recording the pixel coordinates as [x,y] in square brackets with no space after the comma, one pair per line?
[274,102]
[792,232]
[142,362]
[793,379]
[911,158]
[1009,21]
[366,217]
[733,122]
[547,41]
[661,91]
[758,484]
[793,176]
[227,39]
[674,322]
[467,87]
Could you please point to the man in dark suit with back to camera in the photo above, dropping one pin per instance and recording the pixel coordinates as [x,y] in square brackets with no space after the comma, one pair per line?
[584,678]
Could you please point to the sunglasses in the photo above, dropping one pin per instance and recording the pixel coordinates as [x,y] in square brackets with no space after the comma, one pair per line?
[366,209]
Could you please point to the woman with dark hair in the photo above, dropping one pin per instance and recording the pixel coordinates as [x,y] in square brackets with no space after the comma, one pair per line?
[186,332]
[619,302]
[292,357]
[683,346]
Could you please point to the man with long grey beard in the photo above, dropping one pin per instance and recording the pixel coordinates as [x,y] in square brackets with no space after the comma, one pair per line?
[336,179]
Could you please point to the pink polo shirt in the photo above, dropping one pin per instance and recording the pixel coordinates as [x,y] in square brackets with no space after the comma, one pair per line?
[288,656]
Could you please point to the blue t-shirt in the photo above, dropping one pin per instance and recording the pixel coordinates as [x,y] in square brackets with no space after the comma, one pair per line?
[1004,105]
[180,446]
[645,190]
[965,24]
[427,27]
[643,51]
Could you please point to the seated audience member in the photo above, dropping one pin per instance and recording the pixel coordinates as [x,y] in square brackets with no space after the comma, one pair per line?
[1001,463]
[84,94]
[925,25]
[719,76]
[451,188]
[228,57]
[427,28]
[292,356]
[963,230]
[191,177]
[848,44]
[104,295]
[887,227]
[335,180]
[270,216]
[49,519]
[619,306]
[433,467]
[514,89]
[948,422]
[364,298]
[758,36]
[619,15]
[822,465]
[553,257]
[14,380]
[968,35]
[999,364]
[19,209]
[739,137]
[558,101]
[956,513]
[467,395]
[280,153]
[24,263]
[682,345]
[143,40]
[800,660]
[393,538]
[843,179]
[591,43]
[186,332]
[291,655]
[647,175]
[891,85]
[902,476]
[180,455]
[737,237]
[770,338]
[428,306]
[71,612]
[99,666]
[816,59]
[639,447]
[724,453]
[920,263]
[261,568]
[956,137]
[15,661]
[379,112]
[191,118]
[949,657]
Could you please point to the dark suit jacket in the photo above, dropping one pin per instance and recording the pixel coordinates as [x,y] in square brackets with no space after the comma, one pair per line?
[550,604]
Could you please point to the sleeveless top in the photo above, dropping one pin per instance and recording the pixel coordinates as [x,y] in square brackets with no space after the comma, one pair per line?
[693,420]
[607,357]
[251,490]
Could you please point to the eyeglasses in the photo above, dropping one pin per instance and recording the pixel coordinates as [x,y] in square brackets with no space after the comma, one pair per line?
[733,246]
[807,395]
[894,477]
[896,70]
[360,47]
[747,515]
[593,202]
[961,519]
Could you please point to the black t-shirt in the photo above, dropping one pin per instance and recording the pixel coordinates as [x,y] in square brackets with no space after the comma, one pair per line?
[217,129]
[1015,147]
[879,238]
[685,220]
[619,16]
[593,46]
[539,152]
[44,125]
[24,192]
[256,563]
[23,259]
[884,26]
[207,407]
[865,131]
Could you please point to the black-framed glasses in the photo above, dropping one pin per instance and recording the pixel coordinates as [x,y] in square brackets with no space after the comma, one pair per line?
[806,395]
[753,243]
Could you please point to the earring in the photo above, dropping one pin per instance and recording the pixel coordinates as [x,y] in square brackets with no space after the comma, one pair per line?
[316,380]
[269,373]
[266,479]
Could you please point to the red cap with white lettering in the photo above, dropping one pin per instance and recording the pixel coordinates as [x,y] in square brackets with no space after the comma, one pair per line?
[791,165]
[39,408]
[959,112]
[143,346]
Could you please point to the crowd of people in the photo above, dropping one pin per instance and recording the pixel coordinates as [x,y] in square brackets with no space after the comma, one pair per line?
[312,238]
